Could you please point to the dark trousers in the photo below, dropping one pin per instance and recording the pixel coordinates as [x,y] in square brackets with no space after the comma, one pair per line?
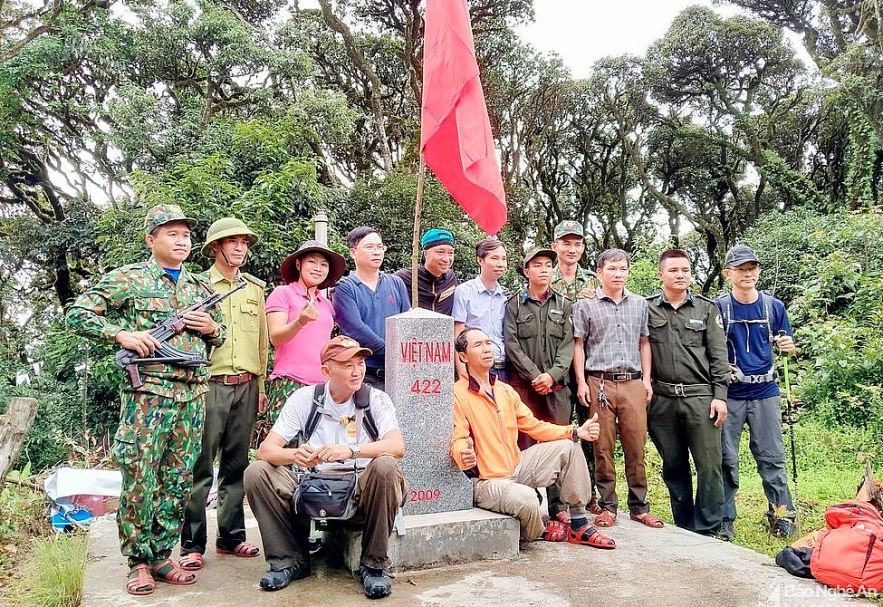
[764,419]
[230,413]
[270,489]
[680,427]
[579,415]
[626,410]
[373,380]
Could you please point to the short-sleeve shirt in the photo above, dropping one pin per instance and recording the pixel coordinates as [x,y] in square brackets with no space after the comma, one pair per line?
[293,418]
[298,358]
[477,306]
[612,331]
[748,345]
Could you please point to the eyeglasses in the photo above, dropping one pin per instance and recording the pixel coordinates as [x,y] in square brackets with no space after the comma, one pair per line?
[374,248]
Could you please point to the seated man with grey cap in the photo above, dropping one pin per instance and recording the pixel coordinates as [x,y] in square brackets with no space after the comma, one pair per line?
[337,440]
[436,280]
[235,397]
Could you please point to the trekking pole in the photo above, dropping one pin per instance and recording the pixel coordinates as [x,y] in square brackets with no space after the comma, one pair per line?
[790,415]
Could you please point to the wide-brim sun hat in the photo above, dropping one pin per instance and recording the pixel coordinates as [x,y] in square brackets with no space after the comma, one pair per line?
[336,263]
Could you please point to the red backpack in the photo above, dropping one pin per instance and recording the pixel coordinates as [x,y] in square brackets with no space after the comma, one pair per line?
[848,553]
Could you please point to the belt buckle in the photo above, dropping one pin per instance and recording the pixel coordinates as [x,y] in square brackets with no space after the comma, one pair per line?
[622,376]
[679,390]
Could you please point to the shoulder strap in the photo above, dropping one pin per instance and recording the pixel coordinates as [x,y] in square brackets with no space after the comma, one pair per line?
[362,400]
[767,302]
[315,414]
[727,312]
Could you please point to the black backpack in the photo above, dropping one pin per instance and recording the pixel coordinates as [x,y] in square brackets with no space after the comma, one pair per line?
[362,400]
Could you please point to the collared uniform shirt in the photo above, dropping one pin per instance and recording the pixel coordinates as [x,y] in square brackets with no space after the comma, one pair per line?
[571,290]
[138,297]
[434,293]
[612,331]
[246,346]
[477,306]
[539,335]
[688,343]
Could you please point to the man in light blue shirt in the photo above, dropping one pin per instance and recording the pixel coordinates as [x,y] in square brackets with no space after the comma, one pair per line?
[481,302]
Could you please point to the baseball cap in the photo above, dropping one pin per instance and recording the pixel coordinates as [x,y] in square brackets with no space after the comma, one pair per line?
[342,349]
[740,254]
[566,228]
[537,252]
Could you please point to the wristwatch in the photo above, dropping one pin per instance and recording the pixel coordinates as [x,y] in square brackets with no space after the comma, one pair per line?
[574,435]
[356,449]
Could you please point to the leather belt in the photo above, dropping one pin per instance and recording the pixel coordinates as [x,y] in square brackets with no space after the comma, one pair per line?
[233,380]
[376,372]
[616,376]
[676,390]
[499,364]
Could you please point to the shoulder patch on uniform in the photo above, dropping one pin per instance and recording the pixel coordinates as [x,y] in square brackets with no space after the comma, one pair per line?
[254,279]
[719,321]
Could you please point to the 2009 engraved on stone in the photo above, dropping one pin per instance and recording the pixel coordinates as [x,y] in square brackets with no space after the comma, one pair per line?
[425,495]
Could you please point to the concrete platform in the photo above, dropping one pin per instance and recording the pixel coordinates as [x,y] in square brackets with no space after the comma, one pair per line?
[667,567]
[434,540]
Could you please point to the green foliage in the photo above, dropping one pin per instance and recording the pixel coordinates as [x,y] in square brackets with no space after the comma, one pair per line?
[53,575]
[832,276]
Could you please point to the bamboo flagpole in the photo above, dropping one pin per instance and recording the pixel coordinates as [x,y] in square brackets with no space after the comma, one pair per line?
[415,250]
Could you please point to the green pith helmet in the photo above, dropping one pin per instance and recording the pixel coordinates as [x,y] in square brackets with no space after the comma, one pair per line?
[162,214]
[224,227]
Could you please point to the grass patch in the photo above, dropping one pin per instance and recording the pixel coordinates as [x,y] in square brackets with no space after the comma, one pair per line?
[53,575]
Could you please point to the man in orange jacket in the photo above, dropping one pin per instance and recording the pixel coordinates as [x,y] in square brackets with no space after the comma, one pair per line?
[487,418]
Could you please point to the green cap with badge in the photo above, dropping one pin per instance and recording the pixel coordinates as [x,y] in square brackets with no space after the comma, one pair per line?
[540,252]
[568,228]
[162,214]
[224,227]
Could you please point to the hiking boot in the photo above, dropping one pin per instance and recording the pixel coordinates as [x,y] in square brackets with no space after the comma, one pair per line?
[727,532]
[375,581]
[783,528]
[279,579]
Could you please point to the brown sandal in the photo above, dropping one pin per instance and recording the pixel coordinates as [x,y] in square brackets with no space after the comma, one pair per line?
[143,583]
[555,531]
[243,549]
[605,519]
[169,572]
[192,561]
[645,518]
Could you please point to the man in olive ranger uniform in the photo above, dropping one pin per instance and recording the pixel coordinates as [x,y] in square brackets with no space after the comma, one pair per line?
[160,427]
[575,282]
[235,397]
[538,336]
[689,372]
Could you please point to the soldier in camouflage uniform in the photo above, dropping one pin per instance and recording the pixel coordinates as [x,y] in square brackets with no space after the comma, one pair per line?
[161,421]
[575,282]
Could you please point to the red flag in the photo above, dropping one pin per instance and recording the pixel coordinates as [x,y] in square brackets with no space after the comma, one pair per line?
[455,130]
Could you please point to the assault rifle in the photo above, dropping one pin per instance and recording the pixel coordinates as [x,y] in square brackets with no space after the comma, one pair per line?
[167,354]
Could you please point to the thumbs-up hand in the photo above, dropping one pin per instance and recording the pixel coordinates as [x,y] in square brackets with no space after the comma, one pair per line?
[591,429]
[467,455]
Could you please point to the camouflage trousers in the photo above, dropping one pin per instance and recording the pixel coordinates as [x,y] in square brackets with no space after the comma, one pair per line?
[155,448]
[278,390]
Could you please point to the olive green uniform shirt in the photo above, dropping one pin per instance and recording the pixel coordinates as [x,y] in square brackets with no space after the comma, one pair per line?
[246,346]
[538,335]
[688,343]
[138,297]
[580,281]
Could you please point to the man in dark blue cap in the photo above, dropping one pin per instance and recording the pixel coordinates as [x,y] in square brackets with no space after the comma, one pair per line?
[435,278]
[754,322]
